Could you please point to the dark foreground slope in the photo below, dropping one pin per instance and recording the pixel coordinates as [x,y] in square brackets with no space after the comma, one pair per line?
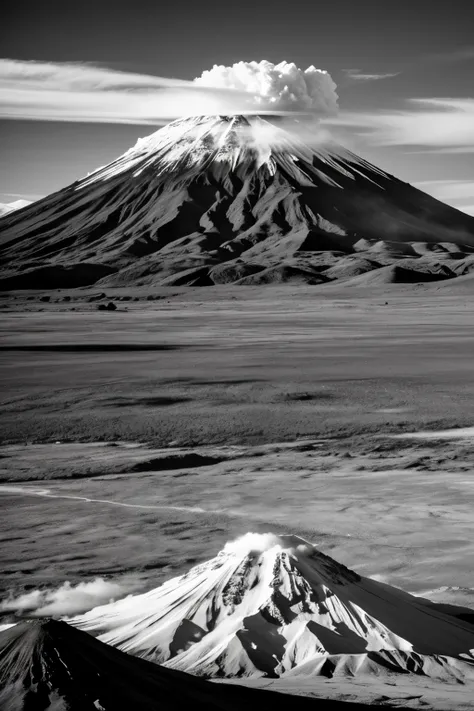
[240,192]
[49,665]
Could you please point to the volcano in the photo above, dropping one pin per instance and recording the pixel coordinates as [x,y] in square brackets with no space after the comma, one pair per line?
[49,665]
[230,199]
[275,605]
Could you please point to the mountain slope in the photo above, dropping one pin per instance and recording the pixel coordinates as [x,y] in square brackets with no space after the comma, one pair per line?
[6,208]
[267,605]
[49,666]
[207,190]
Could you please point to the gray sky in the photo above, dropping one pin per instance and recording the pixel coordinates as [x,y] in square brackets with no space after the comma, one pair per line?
[404,73]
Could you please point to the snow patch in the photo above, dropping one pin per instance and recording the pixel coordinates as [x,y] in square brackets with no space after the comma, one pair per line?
[6,208]
[458,433]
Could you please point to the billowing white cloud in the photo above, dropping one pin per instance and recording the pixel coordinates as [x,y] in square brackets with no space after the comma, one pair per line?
[261,542]
[283,86]
[81,92]
[445,125]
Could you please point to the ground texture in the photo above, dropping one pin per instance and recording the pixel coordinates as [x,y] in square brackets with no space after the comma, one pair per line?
[257,410]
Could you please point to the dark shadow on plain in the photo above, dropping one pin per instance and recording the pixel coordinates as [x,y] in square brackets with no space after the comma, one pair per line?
[176,461]
[158,401]
[92,347]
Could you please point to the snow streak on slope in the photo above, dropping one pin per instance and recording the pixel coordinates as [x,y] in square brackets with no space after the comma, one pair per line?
[268,604]
[6,208]
[222,145]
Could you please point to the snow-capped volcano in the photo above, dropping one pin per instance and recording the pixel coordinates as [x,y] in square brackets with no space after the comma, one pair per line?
[49,665]
[218,199]
[267,605]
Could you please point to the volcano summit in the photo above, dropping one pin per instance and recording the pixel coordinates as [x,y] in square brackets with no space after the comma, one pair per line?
[272,606]
[218,199]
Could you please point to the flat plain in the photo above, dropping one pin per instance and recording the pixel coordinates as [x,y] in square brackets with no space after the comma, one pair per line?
[230,365]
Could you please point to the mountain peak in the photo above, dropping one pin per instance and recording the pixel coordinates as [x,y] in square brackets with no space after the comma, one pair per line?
[267,604]
[224,199]
[194,144]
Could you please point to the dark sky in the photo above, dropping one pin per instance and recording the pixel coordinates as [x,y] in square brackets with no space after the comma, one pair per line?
[424,40]
[176,38]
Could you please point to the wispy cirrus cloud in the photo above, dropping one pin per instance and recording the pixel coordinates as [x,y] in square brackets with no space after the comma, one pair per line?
[438,124]
[448,189]
[22,196]
[458,193]
[82,92]
[449,56]
[358,75]
[458,54]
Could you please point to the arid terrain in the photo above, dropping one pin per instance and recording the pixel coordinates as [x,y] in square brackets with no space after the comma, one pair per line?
[233,366]
[137,442]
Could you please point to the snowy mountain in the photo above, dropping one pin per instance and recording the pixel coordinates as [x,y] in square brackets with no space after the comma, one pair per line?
[220,199]
[271,605]
[51,666]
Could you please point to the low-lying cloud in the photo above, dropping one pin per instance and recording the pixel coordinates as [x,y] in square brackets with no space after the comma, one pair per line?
[82,92]
[69,599]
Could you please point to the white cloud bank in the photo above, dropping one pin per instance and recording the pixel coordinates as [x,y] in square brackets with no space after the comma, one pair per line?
[443,125]
[82,92]
[68,599]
